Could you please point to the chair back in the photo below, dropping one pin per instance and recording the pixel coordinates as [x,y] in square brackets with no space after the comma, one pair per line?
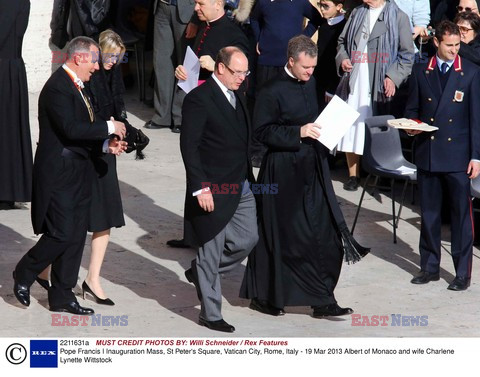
[475,187]
[382,153]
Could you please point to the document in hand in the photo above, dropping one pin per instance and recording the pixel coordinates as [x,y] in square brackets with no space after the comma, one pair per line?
[335,120]
[192,66]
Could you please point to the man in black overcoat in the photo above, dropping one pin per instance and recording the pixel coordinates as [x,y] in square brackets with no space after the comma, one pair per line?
[62,178]
[444,93]
[220,213]
[216,31]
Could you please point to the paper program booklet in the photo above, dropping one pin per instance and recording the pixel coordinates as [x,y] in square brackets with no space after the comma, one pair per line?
[410,124]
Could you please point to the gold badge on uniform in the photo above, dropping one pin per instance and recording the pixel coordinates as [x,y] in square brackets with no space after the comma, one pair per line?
[458,96]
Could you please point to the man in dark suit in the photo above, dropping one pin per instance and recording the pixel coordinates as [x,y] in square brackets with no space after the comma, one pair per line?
[220,214]
[444,93]
[62,178]
[216,31]
[170,33]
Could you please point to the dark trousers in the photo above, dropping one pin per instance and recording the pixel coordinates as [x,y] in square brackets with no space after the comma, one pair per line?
[457,189]
[63,241]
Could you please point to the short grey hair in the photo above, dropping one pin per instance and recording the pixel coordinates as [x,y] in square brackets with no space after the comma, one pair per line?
[80,45]
[299,44]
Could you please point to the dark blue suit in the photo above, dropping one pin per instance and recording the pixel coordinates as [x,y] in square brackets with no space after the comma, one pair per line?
[442,156]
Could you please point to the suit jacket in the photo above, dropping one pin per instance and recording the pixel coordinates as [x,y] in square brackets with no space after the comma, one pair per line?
[454,111]
[64,123]
[214,146]
[184,9]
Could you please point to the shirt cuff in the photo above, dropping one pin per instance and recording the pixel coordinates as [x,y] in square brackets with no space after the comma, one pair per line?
[473,159]
[105,146]
[198,192]
[111,127]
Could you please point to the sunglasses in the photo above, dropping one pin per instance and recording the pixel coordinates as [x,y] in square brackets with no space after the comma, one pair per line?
[466,9]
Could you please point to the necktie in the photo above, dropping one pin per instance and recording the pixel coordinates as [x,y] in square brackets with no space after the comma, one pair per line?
[89,105]
[232,98]
[444,68]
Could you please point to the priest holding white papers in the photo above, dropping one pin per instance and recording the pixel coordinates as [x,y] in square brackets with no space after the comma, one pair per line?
[303,235]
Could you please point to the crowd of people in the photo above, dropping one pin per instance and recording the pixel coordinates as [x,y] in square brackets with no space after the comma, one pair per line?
[262,83]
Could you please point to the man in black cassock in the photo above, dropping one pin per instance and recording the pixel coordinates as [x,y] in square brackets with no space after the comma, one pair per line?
[302,232]
[15,143]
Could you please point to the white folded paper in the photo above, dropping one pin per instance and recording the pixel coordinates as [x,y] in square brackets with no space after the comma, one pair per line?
[192,66]
[335,120]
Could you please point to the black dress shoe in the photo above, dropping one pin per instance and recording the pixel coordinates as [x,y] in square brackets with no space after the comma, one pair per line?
[459,284]
[264,307]
[176,129]
[21,291]
[44,283]
[192,277]
[98,300]
[151,125]
[219,325]
[352,184]
[72,307]
[331,310]
[425,277]
[180,244]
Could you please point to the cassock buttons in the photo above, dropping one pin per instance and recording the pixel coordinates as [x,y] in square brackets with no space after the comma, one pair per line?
[461,73]
[450,120]
[431,119]
[429,99]
[449,139]
[433,137]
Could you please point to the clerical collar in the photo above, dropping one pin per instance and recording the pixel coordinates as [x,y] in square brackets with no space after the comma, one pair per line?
[290,73]
[335,20]
[216,19]
[78,83]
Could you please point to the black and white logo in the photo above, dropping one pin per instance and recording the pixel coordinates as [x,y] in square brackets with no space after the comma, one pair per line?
[16,353]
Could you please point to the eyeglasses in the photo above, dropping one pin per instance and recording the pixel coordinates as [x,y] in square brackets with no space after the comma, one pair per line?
[466,9]
[237,74]
[464,29]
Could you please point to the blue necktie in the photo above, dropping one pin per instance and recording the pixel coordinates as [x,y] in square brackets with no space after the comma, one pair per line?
[444,68]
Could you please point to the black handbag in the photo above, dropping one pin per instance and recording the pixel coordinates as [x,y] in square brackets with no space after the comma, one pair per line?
[137,141]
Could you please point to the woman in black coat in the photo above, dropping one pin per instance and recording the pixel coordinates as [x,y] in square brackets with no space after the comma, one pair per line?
[326,71]
[469,25]
[106,91]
